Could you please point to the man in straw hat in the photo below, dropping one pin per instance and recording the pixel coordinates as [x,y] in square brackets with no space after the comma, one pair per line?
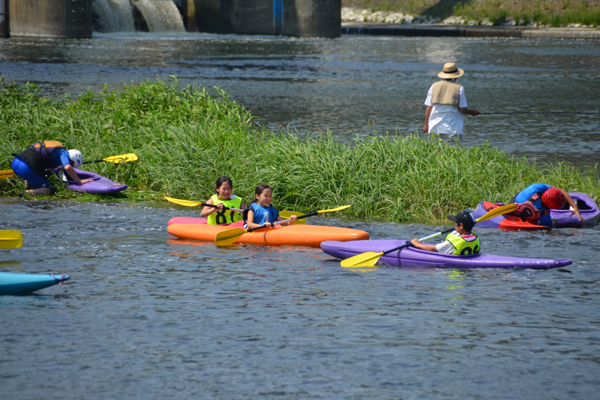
[446,103]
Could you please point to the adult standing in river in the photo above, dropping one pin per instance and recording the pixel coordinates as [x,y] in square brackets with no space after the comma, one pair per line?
[33,163]
[446,103]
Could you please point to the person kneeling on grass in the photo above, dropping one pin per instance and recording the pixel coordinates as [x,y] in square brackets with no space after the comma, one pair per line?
[33,165]
[462,240]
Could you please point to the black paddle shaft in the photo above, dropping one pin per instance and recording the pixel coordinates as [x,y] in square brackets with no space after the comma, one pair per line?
[302,216]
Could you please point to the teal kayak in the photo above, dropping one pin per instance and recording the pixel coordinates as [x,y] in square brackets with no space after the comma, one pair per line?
[15,283]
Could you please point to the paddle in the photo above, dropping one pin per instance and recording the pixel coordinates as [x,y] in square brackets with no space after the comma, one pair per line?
[232,235]
[7,173]
[189,203]
[370,258]
[10,239]
[120,159]
[286,214]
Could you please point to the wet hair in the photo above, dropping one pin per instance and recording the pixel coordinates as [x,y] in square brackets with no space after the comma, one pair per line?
[221,180]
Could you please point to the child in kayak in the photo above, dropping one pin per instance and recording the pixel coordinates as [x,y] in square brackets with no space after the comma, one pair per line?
[260,212]
[223,199]
[460,241]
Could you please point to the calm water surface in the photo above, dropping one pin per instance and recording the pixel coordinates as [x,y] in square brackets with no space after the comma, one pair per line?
[353,85]
[147,316]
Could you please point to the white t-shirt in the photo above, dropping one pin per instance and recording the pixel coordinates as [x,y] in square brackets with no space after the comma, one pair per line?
[446,247]
[444,118]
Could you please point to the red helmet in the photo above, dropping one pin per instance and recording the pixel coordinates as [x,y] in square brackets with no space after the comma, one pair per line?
[553,198]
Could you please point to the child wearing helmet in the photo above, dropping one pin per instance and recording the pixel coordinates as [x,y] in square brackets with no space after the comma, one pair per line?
[33,163]
[541,198]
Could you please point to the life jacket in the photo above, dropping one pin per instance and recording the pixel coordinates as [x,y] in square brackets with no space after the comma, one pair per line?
[225,216]
[527,211]
[464,244]
[39,155]
[259,213]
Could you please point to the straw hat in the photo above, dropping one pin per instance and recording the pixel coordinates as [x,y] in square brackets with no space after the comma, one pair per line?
[450,71]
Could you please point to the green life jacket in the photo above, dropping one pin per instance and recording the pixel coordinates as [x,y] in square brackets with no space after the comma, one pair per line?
[464,244]
[225,216]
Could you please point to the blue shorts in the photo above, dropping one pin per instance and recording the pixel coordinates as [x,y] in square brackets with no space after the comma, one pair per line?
[545,220]
[23,169]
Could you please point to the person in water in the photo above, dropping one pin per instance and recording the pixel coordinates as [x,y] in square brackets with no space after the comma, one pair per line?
[446,103]
[535,201]
[34,164]
[224,198]
[260,212]
[462,240]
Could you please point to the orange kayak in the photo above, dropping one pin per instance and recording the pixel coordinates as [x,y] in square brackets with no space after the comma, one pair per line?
[294,235]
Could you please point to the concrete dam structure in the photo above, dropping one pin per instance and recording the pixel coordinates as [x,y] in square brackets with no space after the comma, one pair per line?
[80,18]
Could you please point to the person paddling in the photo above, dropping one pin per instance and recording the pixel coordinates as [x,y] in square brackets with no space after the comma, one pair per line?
[223,199]
[462,240]
[261,212]
[446,103]
[33,163]
[535,201]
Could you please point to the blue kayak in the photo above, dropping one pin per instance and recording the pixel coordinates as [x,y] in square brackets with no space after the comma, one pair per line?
[15,283]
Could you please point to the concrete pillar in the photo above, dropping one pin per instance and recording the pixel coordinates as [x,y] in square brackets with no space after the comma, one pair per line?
[312,18]
[270,17]
[51,18]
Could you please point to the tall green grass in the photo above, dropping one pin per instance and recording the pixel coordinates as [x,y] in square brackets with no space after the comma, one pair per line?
[186,138]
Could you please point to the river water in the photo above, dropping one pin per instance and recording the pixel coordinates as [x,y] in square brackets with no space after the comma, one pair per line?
[147,316]
[353,85]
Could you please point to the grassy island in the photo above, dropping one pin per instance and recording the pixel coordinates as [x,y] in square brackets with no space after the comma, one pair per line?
[553,13]
[186,137]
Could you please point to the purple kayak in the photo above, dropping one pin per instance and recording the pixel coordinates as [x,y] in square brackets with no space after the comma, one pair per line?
[562,218]
[412,257]
[100,185]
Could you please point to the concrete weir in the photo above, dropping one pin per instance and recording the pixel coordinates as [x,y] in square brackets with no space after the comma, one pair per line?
[270,17]
[50,18]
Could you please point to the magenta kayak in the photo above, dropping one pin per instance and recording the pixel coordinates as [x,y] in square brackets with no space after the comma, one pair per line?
[412,257]
[99,185]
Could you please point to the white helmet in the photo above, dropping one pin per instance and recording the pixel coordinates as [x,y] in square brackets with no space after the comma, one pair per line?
[76,157]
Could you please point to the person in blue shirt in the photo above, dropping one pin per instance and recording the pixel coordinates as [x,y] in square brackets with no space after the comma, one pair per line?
[260,212]
[34,164]
[535,201]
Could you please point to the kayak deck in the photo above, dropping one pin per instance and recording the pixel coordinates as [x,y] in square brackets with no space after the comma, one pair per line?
[295,235]
[412,257]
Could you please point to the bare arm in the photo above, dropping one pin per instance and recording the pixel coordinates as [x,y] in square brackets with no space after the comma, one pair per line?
[466,110]
[73,175]
[206,211]
[429,247]
[427,115]
[572,203]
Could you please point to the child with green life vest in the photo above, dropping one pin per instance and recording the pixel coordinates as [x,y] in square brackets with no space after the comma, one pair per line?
[461,241]
[224,199]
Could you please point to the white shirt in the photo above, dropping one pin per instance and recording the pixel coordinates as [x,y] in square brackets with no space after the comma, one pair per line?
[446,247]
[444,118]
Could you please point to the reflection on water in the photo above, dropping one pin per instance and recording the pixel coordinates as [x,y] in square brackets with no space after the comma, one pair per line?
[148,316]
[353,85]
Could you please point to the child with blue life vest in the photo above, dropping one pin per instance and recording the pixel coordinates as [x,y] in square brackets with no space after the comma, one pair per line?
[260,212]
[461,241]
[223,199]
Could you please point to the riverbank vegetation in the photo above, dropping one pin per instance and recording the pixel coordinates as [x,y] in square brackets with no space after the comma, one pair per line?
[186,138]
[552,13]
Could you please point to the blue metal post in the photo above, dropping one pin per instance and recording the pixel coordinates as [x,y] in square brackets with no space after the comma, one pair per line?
[278,16]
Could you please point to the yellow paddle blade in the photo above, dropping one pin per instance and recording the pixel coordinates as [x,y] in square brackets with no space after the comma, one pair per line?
[8,173]
[497,211]
[229,236]
[286,214]
[334,209]
[123,158]
[368,259]
[11,239]
[186,203]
